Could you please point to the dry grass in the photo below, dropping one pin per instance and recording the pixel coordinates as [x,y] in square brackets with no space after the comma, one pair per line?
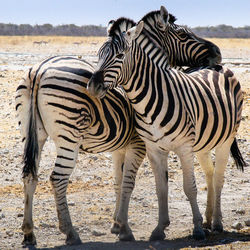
[28,40]
[223,43]
[231,43]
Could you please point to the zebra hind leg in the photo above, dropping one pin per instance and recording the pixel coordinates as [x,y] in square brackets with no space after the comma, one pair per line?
[221,159]
[206,163]
[30,182]
[126,163]
[65,163]
[135,153]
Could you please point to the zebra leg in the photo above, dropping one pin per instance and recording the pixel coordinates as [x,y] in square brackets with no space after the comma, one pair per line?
[126,162]
[30,183]
[118,163]
[158,161]
[186,158]
[135,153]
[65,163]
[206,163]
[221,159]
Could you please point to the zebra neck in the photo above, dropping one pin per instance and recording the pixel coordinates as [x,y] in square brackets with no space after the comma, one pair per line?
[144,62]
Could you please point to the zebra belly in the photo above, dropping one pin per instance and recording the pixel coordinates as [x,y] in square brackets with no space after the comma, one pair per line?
[161,137]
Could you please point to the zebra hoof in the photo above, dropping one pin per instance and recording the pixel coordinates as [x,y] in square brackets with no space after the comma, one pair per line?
[115,229]
[126,234]
[217,228]
[207,225]
[157,235]
[73,242]
[126,237]
[73,239]
[29,239]
[207,232]
[199,234]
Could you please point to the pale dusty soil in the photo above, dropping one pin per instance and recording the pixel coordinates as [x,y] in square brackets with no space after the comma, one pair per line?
[90,193]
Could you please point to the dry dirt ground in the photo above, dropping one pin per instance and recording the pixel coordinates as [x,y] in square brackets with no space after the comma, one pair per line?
[90,194]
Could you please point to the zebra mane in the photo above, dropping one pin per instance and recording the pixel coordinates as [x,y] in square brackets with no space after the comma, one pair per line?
[123,24]
[120,25]
[171,20]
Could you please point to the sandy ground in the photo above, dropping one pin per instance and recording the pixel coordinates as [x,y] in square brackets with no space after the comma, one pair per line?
[90,193]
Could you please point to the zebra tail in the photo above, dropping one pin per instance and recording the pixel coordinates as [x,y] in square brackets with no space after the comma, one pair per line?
[239,161]
[31,144]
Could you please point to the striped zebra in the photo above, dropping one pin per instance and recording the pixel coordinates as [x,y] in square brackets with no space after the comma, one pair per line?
[52,101]
[53,96]
[193,51]
[174,111]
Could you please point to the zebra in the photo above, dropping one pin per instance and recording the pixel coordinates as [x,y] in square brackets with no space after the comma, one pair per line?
[174,111]
[193,51]
[182,46]
[52,100]
[53,95]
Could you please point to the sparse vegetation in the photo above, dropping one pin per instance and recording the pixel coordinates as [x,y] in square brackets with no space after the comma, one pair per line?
[220,31]
[27,40]
[50,30]
[223,31]
[7,41]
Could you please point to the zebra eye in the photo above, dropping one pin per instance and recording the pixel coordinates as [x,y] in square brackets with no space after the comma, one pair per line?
[182,35]
[120,56]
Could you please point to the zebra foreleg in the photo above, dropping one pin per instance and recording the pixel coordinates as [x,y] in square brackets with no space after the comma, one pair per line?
[59,178]
[206,163]
[186,158]
[158,161]
[118,164]
[221,159]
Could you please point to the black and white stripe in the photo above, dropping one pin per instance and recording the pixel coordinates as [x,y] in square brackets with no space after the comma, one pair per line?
[52,101]
[181,45]
[184,113]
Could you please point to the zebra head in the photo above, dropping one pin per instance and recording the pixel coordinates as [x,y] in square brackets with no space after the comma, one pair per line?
[110,57]
[182,46]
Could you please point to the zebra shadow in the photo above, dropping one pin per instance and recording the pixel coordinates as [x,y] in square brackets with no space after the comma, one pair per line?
[232,240]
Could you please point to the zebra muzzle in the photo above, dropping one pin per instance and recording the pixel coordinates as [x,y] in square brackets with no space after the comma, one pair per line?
[96,86]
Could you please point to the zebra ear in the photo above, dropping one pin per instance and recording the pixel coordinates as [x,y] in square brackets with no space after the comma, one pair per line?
[134,32]
[110,24]
[164,15]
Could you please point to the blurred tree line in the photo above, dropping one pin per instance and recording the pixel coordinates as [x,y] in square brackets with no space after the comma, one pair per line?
[220,31]
[50,30]
[223,31]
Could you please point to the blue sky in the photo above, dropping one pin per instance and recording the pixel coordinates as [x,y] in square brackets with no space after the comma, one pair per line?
[81,12]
